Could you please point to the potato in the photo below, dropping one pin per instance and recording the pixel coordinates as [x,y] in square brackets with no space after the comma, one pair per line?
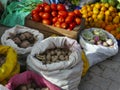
[29,85]
[33,85]
[61,57]
[17,40]
[28,35]
[21,87]
[44,89]
[22,37]
[66,57]
[58,53]
[31,89]
[48,57]
[37,89]
[25,44]
[52,52]
[12,35]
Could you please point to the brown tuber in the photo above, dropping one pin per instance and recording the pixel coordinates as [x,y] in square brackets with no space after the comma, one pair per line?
[25,44]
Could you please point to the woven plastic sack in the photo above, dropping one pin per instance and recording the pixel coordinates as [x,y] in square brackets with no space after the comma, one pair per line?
[20,29]
[10,67]
[65,74]
[27,77]
[98,53]
[3,87]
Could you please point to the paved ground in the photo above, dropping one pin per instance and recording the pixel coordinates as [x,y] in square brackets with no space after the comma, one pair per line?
[103,76]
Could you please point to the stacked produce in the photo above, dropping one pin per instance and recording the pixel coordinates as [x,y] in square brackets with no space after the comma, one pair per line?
[56,15]
[23,40]
[97,37]
[29,86]
[54,55]
[104,16]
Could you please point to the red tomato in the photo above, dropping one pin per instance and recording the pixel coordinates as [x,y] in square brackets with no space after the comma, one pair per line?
[53,6]
[78,21]
[71,14]
[38,5]
[61,7]
[36,17]
[54,19]
[63,13]
[58,24]
[46,15]
[46,21]
[61,19]
[54,13]
[41,14]
[47,8]
[69,19]
[44,4]
[77,12]
[64,25]
[34,12]
[39,9]
[72,25]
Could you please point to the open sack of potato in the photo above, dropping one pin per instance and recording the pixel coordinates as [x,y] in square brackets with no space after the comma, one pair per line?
[29,80]
[58,60]
[8,63]
[21,38]
[98,44]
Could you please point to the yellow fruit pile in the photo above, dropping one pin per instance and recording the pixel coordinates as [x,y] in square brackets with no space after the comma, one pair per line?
[102,15]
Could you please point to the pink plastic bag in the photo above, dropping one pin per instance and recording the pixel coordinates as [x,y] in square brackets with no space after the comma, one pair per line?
[28,76]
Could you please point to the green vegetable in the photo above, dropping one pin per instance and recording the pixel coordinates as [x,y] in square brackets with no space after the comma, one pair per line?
[118,6]
[104,1]
[112,2]
[88,35]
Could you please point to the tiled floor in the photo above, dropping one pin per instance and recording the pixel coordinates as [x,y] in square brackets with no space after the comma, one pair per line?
[103,76]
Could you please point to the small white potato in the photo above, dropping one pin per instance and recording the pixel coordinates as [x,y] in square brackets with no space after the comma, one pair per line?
[61,57]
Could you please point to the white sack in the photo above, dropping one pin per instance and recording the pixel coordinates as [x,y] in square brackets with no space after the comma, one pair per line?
[98,53]
[65,74]
[20,29]
[3,87]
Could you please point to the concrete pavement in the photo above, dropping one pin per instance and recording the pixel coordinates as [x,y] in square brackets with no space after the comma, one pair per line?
[102,76]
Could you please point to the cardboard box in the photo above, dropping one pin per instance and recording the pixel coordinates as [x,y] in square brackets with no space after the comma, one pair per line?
[49,30]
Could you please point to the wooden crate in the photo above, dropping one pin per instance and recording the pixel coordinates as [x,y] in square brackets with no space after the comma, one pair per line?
[49,30]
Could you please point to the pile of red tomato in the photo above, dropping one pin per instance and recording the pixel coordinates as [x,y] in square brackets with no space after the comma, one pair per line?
[56,15]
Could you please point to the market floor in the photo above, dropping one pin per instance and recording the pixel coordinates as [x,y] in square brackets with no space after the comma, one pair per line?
[103,76]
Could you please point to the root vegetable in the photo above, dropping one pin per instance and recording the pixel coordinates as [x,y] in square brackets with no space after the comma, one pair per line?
[17,40]
[52,52]
[28,35]
[25,44]
[105,44]
[48,57]
[61,57]
[109,42]
[31,89]
[22,37]
[66,57]
[58,52]
[54,55]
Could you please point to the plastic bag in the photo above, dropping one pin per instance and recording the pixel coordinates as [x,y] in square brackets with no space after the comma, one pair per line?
[10,67]
[98,53]
[17,11]
[20,29]
[84,2]
[65,74]
[27,77]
